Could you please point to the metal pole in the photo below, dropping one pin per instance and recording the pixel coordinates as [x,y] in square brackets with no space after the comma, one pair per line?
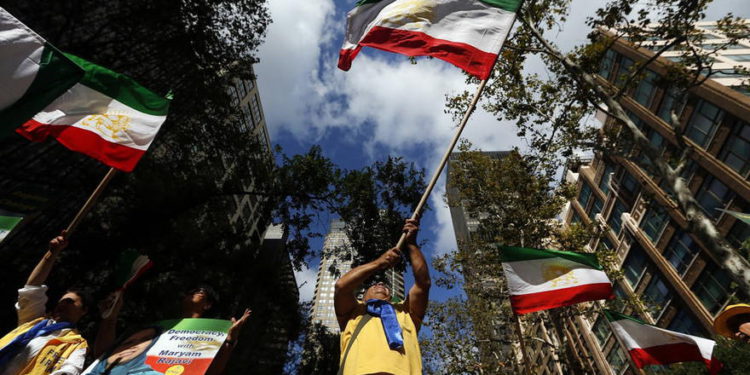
[444,160]
[90,202]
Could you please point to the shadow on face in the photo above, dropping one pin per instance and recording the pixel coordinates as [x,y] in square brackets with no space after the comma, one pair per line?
[378,291]
[196,302]
[133,346]
[70,308]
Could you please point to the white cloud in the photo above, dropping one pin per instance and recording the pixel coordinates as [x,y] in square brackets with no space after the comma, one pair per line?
[306,283]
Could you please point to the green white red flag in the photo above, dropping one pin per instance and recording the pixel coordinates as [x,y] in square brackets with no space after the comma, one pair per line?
[651,345]
[130,266]
[545,279]
[32,73]
[85,107]
[466,33]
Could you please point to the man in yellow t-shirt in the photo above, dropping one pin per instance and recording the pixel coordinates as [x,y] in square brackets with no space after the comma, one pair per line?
[378,337]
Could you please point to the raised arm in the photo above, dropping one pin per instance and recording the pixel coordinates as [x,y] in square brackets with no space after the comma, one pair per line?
[219,364]
[420,291]
[343,295]
[40,273]
[107,332]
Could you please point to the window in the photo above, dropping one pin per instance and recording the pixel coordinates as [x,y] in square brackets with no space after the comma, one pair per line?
[601,330]
[629,184]
[615,217]
[249,84]
[736,152]
[712,36]
[234,96]
[624,71]
[738,234]
[617,360]
[686,323]
[242,91]
[724,73]
[657,296]
[255,102]
[654,222]
[604,183]
[668,104]
[644,92]
[606,243]
[716,46]
[681,251]
[656,141]
[743,57]
[583,198]
[703,122]
[744,90]
[605,69]
[713,194]
[712,288]
[635,265]
[596,208]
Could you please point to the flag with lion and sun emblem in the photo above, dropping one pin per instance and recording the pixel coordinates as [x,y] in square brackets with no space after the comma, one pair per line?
[466,33]
[105,115]
[87,108]
[545,279]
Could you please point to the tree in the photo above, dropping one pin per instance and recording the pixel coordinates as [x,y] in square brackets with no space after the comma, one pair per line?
[550,111]
[451,347]
[513,199]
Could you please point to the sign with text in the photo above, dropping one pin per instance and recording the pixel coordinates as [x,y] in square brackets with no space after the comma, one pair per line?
[171,347]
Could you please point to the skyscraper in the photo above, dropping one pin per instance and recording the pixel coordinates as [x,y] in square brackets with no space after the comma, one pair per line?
[682,284]
[336,260]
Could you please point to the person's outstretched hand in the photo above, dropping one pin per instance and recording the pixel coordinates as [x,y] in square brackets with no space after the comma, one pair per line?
[236,328]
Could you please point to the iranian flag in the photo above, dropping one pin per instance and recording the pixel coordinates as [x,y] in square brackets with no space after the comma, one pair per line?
[87,108]
[545,279]
[466,33]
[32,73]
[651,345]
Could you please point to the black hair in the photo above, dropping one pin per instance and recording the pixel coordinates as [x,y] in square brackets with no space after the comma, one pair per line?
[213,297]
[87,297]
[736,321]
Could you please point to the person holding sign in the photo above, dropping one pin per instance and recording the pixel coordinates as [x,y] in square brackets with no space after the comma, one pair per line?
[46,342]
[378,337]
[133,354]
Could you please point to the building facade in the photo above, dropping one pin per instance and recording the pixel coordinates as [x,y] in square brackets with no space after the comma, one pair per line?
[336,259]
[681,284]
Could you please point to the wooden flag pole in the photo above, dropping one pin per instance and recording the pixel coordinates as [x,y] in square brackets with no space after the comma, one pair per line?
[444,160]
[90,202]
[521,341]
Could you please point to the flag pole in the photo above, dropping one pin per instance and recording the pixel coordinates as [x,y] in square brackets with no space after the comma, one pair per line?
[90,202]
[522,343]
[444,160]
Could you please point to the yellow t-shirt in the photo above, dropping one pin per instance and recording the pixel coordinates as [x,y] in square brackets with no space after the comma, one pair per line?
[370,354]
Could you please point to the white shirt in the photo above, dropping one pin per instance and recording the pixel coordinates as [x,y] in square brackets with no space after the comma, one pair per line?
[31,305]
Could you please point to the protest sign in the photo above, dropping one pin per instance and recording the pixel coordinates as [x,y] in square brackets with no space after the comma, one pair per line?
[172,347]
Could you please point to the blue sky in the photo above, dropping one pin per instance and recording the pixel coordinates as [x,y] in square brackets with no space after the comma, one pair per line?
[383,105]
